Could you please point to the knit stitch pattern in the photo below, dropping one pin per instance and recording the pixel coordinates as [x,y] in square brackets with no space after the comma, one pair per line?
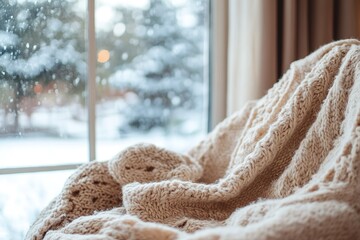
[286,166]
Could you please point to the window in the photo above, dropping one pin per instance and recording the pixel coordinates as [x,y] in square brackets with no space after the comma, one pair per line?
[150,85]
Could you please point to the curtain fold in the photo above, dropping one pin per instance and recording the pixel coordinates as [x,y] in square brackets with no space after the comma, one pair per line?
[265,36]
[252,45]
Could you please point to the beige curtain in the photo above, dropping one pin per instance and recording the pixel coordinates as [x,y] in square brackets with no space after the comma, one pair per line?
[218,70]
[265,36]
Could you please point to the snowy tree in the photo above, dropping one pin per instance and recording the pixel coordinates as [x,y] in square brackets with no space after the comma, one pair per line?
[163,63]
[41,42]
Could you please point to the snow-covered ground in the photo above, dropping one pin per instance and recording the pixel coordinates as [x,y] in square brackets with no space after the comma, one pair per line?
[58,135]
[22,152]
[23,196]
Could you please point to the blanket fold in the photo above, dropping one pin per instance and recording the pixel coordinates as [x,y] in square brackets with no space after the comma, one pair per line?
[286,166]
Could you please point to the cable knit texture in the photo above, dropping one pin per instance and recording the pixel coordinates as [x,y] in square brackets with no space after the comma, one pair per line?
[285,167]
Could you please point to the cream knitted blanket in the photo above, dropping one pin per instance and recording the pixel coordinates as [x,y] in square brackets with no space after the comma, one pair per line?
[285,167]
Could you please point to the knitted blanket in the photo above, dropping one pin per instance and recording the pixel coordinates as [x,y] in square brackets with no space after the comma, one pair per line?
[285,167]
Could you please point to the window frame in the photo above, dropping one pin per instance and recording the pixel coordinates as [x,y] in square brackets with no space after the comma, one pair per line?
[213,114]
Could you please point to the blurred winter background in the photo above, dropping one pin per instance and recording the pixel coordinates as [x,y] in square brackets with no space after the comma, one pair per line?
[150,88]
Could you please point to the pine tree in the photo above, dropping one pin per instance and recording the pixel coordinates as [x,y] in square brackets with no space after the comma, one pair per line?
[165,71]
[40,42]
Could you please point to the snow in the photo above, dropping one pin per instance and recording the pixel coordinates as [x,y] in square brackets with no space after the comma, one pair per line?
[43,59]
[8,38]
[54,25]
[141,4]
[23,15]
[23,196]
[186,18]
[38,151]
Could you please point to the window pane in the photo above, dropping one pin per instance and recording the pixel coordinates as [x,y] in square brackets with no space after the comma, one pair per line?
[23,196]
[42,82]
[150,73]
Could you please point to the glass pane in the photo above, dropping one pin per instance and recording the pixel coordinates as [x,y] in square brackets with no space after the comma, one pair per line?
[42,82]
[23,196]
[151,60]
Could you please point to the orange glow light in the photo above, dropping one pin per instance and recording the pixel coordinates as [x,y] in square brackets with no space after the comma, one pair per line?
[103,56]
[38,88]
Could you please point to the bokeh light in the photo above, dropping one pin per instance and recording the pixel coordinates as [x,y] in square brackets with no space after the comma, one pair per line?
[38,88]
[103,56]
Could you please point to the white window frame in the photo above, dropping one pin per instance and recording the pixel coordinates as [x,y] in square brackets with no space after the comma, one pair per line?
[91,71]
[218,38]
[215,75]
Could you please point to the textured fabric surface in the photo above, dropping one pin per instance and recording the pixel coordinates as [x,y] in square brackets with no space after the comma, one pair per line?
[285,167]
